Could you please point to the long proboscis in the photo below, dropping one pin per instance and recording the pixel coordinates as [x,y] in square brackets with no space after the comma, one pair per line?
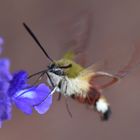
[37,73]
[37,41]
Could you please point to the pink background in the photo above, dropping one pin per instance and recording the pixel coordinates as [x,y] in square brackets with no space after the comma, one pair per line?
[113,30]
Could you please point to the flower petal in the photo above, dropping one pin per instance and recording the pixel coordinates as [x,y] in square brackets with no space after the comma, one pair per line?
[44,106]
[18,82]
[3,89]
[42,92]
[33,95]
[5,109]
[24,107]
[25,99]
[4,69]
[1,43]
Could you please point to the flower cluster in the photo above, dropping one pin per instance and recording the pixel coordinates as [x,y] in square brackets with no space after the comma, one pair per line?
[14,89]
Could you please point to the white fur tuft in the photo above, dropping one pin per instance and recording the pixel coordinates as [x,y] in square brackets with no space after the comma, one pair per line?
[101,105]
[70,86]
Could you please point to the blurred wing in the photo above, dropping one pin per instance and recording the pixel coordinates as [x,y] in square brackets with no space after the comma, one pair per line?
[103,79]
[132,64]
[76,42]
[99,79]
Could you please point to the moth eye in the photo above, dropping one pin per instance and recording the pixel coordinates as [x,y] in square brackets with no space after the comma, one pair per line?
[58,71]
[51,66]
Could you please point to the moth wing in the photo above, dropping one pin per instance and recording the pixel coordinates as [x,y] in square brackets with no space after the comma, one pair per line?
[103,79]
[133,63]
[78,34]
[96,78]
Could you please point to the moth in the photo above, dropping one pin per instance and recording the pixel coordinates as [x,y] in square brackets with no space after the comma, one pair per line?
[73,80]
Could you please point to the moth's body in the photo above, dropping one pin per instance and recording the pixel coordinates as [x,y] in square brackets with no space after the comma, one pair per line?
[78,83]
[70,86]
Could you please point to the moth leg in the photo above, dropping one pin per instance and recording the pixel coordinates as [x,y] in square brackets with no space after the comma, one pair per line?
[39,78]
[37,73]
[67,107]
[50,79]
[66,100]
[59,96]
[41,73]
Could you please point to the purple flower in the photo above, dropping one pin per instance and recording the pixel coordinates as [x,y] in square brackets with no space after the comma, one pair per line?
[26,97]
[5,75]
[5,103]
[15,90]
[1,43]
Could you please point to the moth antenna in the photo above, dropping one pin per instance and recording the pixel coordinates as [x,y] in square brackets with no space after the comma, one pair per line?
[37,41]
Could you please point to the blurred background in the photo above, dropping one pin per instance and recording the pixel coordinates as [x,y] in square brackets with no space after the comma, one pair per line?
[107,30]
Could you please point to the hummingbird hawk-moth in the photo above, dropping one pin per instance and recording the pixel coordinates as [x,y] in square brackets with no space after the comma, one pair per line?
[73,80]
